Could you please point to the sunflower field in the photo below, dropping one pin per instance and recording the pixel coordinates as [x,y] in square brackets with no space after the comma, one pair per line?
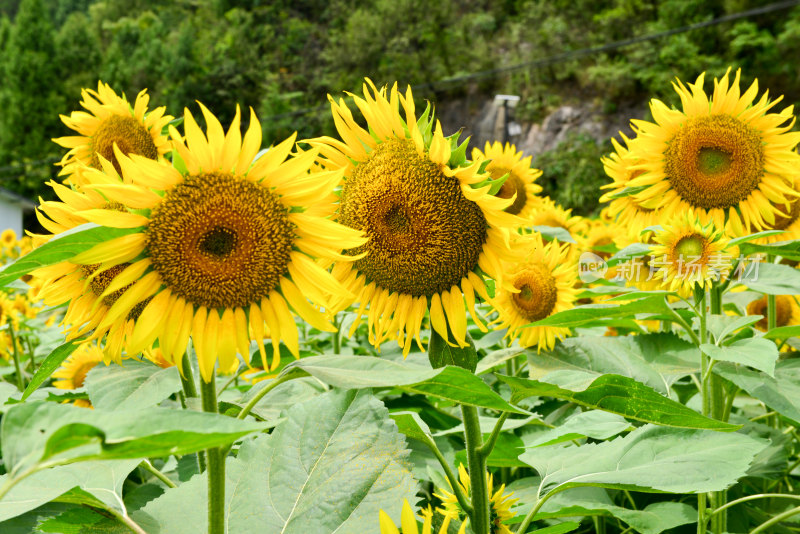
[383,332]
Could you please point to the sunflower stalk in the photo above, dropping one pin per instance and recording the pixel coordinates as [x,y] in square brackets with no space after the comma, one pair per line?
[190,392]
[15,355]
[216,464]
[479,518]
[716,392]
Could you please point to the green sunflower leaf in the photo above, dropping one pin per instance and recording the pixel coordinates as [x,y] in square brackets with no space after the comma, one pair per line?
[357,372]
[616,394]
[758,353]
[101,479]
[772,278]
[785,249]
[37,434]
[131,385]
[62,247]
[49,365]
[780,392]
[696,460]
[657,359]
[581,315]
[331,466]
[783,332]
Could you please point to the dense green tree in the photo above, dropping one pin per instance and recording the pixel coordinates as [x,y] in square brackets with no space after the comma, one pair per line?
[31,99]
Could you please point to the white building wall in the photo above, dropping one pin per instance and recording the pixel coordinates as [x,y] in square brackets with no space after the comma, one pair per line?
[11,216]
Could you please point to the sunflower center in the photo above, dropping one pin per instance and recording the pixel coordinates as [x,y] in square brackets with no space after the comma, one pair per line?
[691,246]
[783,311]
[714,161]
[220,241]
[512,185]
[537,292]
[128,134]
[424,235]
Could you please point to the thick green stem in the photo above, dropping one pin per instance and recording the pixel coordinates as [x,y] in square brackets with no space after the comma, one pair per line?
[190,392]
[754,497]
[15,355]
[187,378]
[479,518]
[720,411]
[216,465]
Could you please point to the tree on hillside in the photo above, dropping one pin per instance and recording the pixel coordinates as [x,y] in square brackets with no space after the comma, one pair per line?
[30,99]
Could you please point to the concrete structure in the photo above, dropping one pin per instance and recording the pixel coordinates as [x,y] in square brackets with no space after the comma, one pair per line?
[12,209]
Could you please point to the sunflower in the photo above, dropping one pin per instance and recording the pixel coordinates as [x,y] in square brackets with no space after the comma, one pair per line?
[82,286]
[8,238]
[434,229]
[544,284]
[520,177]
[218,249]
[548,213]
[786,308]
[690,254]
[408,523]
[111,121]
[623,207]
[499,503]
[788,220]
[725,155]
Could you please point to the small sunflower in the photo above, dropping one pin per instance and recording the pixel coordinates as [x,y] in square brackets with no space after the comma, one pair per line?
[84,287]
[507,161]
[689,253]
[434,230]
[111,121]
[408,522]
[788,220]
[74,369]
[726,155]
[500,503]
[8,238]
[222,247]
[545,283]
[623,206]
[786,308]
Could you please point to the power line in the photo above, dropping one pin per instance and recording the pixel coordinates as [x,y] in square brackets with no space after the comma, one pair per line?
[573,54]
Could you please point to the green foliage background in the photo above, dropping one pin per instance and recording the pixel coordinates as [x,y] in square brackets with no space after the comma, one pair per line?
[283,57]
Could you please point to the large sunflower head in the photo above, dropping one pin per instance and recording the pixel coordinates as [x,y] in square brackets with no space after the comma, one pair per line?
[220,246]
[724,154]
[690,253]
[623,206]
[408,522]
[500,503]
[520,177]
[435,229]
[543,284]
[111,121]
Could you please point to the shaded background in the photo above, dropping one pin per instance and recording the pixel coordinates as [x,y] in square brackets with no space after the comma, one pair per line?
[578,76]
